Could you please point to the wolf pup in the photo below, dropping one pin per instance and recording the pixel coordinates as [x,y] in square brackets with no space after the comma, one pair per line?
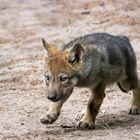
[93,61]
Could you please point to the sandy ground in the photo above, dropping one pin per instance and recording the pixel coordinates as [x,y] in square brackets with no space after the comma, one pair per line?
[22,90]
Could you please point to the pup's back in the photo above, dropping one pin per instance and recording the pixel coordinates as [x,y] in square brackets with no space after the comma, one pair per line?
[116,48]
[115,53]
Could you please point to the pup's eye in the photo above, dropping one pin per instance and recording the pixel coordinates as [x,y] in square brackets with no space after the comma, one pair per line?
[63,78]
[47,77]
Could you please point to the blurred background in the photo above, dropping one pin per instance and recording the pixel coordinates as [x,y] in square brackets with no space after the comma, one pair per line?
[22,91]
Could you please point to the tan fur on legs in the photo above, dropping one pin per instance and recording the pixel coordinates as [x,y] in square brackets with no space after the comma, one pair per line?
[80,114]
[95,101]
[54,111]
[135,108]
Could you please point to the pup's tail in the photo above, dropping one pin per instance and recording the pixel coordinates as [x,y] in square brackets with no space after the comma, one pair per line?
[121,88]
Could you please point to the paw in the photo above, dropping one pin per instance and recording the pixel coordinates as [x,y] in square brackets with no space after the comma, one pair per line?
[49,118]
[86,125]
[79,115]
[134,110]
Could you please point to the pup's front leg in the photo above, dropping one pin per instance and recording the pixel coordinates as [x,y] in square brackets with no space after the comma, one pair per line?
[53,112]
[95,101]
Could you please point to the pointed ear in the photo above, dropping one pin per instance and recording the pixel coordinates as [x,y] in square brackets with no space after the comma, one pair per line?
[47,47]
[76,54]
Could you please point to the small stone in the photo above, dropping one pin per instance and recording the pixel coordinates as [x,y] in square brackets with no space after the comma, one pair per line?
[22,123]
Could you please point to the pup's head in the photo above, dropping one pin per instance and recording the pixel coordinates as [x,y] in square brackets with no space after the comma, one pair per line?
[61,70]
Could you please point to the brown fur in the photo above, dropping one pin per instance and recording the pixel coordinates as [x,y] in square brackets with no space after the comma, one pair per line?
[86,66]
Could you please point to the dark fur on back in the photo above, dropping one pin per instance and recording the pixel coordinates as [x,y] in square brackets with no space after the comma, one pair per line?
[114,51]
[117,46]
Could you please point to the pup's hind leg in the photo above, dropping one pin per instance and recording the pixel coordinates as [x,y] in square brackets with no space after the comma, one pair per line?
[132,83]
[135,108]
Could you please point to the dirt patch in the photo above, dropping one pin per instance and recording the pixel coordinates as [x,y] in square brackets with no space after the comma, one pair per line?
[22,91]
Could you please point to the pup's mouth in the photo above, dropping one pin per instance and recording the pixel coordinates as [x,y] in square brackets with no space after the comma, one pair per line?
[61,96]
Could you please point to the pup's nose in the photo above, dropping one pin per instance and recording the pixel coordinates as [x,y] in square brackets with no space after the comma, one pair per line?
[52,97]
